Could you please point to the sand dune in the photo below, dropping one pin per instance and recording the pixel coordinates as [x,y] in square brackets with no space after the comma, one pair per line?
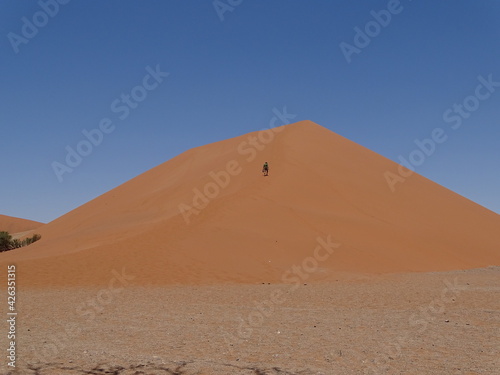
[255,228]
[15,225]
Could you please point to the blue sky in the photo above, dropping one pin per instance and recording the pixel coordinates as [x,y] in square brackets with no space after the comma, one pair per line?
[228,69]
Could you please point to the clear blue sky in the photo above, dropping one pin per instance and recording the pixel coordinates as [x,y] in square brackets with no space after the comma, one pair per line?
[227,72]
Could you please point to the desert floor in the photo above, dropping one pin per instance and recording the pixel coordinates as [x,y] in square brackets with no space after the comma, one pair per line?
[427,323]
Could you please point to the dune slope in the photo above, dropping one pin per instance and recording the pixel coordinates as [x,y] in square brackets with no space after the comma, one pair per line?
[208,215]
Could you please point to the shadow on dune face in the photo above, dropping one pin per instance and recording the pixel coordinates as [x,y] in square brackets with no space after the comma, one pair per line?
[150,369]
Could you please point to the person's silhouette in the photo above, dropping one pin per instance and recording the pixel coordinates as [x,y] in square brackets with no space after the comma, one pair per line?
[265,169]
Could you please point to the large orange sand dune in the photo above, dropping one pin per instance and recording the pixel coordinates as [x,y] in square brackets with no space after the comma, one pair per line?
[256,228]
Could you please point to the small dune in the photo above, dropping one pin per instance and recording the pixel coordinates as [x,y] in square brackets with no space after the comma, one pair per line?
[15,225]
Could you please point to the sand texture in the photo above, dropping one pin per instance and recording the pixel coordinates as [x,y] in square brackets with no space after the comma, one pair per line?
[426,323]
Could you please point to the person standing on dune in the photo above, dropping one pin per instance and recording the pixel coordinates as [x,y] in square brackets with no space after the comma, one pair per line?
[265,169]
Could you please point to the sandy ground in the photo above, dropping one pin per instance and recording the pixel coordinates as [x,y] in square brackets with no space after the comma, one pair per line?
[427,323]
